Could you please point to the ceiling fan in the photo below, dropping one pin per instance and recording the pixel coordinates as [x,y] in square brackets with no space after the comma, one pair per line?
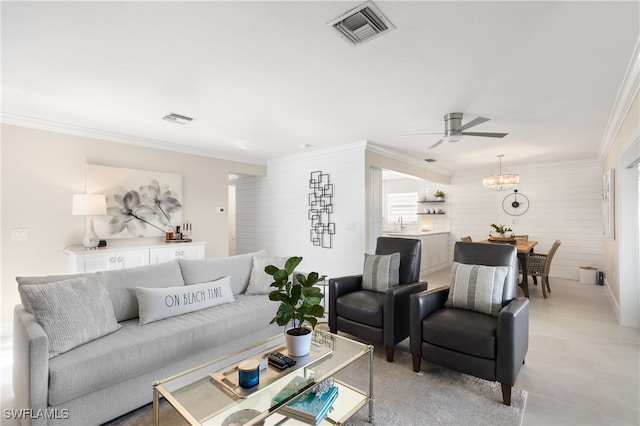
[454,130]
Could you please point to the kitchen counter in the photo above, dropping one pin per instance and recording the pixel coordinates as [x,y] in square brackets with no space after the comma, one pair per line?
[435,249]
[412,234]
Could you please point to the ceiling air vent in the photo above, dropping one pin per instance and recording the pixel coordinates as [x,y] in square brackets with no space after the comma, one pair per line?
[362,23]
[177,118]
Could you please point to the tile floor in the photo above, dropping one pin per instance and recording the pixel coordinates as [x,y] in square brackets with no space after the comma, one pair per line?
[581,369]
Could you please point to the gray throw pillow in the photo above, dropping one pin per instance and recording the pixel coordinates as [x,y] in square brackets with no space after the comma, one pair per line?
[477,287]
[72,312]
[381,271]
[158,303]
[260,281]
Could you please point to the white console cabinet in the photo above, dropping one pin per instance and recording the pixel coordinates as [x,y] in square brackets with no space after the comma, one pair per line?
[176,251]
[128,254]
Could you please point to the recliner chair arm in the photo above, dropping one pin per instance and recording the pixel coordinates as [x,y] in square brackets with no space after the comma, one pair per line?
[338,287]
[420,306]
[396,306]
[513,339]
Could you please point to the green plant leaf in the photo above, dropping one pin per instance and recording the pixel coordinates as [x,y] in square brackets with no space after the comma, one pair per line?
[291,264]
[271,270]
[317,311]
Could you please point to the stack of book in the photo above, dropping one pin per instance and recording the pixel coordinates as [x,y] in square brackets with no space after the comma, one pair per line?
[310,407]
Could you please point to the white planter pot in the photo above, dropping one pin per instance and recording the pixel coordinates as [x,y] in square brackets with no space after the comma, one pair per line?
[298,345]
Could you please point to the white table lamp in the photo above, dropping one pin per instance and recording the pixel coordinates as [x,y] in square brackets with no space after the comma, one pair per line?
[89,205]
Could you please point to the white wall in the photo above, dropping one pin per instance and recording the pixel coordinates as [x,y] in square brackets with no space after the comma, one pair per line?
[271,212]
[565,205]
[41,170]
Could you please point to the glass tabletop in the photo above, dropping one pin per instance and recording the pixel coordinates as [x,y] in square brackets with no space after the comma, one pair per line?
[210,395]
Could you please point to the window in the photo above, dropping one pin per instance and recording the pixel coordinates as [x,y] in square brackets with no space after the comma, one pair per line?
[402,204]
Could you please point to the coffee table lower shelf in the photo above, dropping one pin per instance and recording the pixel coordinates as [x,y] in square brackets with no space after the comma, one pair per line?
[205,402]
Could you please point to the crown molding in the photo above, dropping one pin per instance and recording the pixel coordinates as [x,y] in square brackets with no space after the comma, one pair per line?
[627,93]
[53,126]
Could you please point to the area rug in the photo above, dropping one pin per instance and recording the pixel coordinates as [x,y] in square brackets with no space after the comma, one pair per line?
[434,396]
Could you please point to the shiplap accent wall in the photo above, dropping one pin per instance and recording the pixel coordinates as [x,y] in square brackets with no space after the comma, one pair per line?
[565,205]
[271,212]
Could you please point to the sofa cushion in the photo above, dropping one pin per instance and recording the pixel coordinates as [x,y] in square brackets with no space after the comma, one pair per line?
[477,287]
[71,312]
[158,303]
[238,267]
[136,349]
[381,271]
[468,332]
[364,307]
[121,285]
[260,281]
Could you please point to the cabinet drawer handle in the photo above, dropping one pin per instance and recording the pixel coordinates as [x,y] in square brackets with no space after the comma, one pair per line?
[181,253]
[119,259]
[177,254]
[112,259]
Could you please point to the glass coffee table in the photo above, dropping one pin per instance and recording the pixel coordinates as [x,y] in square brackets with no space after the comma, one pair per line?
[210,394]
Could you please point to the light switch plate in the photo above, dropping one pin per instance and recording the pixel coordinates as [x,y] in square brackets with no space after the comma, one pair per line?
[19,234]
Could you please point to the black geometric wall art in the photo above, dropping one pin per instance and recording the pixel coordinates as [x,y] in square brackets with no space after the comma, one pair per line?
[320,210]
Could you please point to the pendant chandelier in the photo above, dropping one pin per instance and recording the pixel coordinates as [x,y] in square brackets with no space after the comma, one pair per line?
[500,182]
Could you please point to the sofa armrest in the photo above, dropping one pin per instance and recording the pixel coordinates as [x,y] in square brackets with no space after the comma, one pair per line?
[396,311]
[338,287]
[30,363]
[513,339]
[420,306]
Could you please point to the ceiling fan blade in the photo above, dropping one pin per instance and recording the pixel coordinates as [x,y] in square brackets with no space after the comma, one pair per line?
[436,144]
[485,134]
[420,134]
[474,122]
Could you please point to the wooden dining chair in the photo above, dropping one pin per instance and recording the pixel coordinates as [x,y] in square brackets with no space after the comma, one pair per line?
[466,239]
[539,264]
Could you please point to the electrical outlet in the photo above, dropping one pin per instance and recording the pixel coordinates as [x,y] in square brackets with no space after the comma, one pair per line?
[221,210]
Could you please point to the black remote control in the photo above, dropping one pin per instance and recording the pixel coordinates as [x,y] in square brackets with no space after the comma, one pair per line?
[280,361]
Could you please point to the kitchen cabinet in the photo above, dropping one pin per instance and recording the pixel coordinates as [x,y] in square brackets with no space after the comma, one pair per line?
[434,249]
[127,254]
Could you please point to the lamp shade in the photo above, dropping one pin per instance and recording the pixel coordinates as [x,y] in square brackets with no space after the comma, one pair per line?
[89,204]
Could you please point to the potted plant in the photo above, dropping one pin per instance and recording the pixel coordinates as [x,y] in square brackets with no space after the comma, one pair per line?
[500,230]
[439,195]
[299,304]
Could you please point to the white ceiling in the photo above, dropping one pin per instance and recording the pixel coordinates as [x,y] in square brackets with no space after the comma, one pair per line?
[262,78]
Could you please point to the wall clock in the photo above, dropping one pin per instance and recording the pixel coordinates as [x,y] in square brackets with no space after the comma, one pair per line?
[515,204]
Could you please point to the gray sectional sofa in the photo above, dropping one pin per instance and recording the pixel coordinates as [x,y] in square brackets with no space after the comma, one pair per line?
[112,375]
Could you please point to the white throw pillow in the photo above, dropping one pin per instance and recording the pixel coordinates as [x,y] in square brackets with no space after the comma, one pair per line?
[72,312]
[477,287]
[260,281]
[381,271]
[158,303]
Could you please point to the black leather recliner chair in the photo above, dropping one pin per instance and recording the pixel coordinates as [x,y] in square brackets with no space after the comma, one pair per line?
[489,347]
[373,316]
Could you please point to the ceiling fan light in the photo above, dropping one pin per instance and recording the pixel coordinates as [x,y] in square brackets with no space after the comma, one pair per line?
[455,137]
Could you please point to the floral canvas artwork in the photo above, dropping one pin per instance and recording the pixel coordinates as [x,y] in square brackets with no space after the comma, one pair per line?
[140,203]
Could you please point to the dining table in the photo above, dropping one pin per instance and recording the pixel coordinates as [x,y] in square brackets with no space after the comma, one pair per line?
[524,247]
